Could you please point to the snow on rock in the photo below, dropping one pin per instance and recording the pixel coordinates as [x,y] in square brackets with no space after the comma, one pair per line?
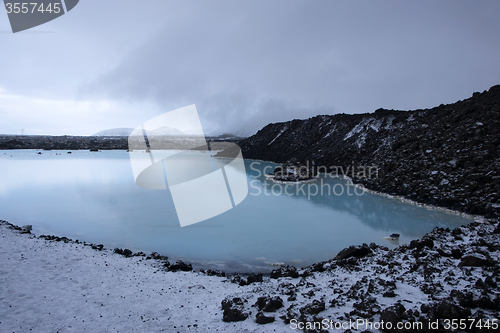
[358,128]
[334,128]
[277,136]
[65,286]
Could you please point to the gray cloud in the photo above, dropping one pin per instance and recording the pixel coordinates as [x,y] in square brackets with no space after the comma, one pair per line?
[256,62]
[247,63]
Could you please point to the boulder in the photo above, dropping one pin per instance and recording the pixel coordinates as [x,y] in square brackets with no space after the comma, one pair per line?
[448,310]
[354,251]
[269,304]
[474,261]
[260,318]
[212,272]
[180,266]
[313,308]
[252,278]
[233,310]
[421,243]
[393,314]
[285,271]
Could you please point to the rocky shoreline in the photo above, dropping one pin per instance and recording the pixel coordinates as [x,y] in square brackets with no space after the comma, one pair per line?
[293,171]
[93,143]
[446,156]
[445,275]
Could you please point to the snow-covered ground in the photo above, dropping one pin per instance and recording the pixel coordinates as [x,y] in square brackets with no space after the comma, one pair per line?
[56,286]
[52,286]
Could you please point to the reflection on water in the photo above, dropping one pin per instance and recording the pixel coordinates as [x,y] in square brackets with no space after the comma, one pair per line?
[93,197]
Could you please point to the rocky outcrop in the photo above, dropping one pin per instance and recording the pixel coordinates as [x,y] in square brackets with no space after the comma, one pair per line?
[285,271]
[65,142]
[260,318]
[293,171]
[232,310]
[446,156]
[445,275]
[269,304]
[180,266]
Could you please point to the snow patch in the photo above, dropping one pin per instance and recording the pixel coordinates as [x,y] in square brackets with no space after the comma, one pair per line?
[444,182]
[277,136]
[331,131]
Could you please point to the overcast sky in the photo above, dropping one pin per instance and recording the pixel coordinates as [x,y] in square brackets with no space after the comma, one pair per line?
[118,63]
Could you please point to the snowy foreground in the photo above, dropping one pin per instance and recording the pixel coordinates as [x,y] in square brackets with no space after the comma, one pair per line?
[57,286]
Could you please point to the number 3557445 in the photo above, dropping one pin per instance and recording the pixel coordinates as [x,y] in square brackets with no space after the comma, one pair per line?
[32,7]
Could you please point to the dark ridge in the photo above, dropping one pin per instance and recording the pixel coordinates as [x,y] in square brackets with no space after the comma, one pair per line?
[68,142]
[65,142]
[445,156]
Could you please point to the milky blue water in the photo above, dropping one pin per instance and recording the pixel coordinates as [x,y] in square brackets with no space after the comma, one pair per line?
[92,196]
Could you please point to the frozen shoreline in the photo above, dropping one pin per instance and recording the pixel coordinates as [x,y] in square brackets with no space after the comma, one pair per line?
[69,287]
[52,286]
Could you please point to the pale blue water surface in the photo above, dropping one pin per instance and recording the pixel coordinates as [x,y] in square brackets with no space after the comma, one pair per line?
[92,196]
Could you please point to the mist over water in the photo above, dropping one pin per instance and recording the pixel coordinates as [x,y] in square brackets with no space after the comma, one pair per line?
[93,197]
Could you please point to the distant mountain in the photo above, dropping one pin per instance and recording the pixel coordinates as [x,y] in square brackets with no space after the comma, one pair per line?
[193,132]
[165,130]
[114,132]
[241,133]
[447,156]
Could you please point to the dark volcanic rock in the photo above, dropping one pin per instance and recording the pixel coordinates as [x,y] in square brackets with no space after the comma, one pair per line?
[65,142]
[260,318]
[155,255]
[448,310]
[98,247]
[285,271]
[421,243]
[125,252]
[354,251]
[269,304]
[445,156]
[393,314]
[233,315]
[294,171]
[472,260]
[252,278]
[233,310]
[389,293]
[213,272]
[313,308]
[180,266]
